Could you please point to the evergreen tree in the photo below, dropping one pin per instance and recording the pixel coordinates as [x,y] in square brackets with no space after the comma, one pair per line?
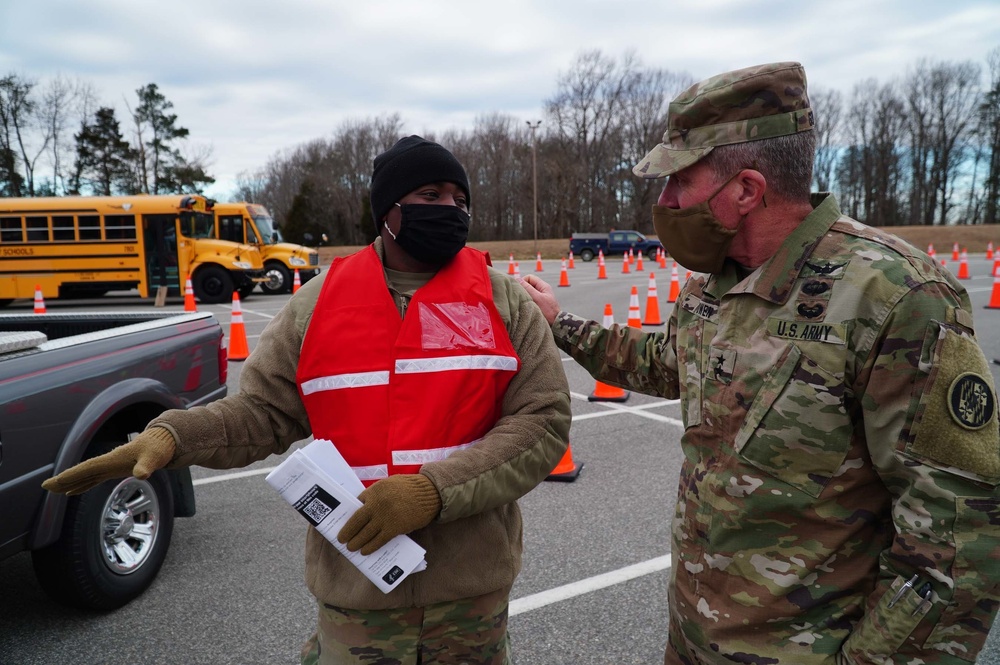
[161,167]
[103,157]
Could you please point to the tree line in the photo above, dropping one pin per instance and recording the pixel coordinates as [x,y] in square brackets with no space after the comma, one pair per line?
[56,139]
[923,149]
[920,150]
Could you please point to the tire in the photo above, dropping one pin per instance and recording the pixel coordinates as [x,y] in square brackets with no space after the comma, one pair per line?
[114,540]
[246,290]
[213,285]
[587,254]
[279,279]
[651,253]
[5,301]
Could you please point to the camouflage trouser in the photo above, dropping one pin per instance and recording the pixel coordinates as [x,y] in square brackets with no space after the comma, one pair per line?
[472,631]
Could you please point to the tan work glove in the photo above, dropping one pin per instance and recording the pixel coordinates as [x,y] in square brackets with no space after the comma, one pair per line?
[151,450]
[393,506]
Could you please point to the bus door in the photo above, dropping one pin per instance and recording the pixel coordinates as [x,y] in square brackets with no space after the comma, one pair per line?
[162,269]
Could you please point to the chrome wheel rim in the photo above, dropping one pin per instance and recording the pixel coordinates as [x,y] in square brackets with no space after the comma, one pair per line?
[130,525]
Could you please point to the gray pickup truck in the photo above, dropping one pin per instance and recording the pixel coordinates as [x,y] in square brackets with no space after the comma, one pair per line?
[73,386]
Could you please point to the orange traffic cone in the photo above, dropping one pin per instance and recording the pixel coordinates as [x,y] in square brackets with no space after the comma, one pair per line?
[631,256]
[625,269]
[238,349]
[517,269]
[571,266]
[995,296]
[189,305]
[989,251]
[296,282]
[510,265]
[39,300]
[963,267]
[563,275]
[602,391]
[567,470]
[634,319]
[675,285]
[652,304]
[662,260]
[538,263]
[638,264]
[602,271]
[954,252]
[687,276]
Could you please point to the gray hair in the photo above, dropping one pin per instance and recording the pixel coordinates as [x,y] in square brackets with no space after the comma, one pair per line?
[786,162]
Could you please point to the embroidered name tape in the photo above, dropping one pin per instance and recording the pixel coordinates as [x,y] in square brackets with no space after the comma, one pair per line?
[829,333]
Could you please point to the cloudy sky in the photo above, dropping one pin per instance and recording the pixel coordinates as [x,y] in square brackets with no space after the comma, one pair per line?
[251,78]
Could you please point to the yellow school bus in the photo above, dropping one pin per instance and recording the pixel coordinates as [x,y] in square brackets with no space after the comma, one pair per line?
[252,224]
[84,246]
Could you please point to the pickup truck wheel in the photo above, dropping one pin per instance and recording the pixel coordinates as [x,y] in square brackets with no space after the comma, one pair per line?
[114,540]
[279,279]
[587,254]
[213,285]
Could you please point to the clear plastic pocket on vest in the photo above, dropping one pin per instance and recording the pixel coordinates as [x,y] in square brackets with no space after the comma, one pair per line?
[455,325]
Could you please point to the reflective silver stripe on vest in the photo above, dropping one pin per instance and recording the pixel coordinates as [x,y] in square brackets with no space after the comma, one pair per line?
[338,381]
[374,472]
[405,457]
[421,365]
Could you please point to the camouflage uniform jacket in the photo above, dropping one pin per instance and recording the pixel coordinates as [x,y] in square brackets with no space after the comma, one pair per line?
[474,547]
[840,439]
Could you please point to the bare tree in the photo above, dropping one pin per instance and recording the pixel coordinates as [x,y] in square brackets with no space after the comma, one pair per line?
[19,126]
[988,134]
[828,108]
[941,106]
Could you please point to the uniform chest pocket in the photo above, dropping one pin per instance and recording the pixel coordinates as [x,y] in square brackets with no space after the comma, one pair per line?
[797,428]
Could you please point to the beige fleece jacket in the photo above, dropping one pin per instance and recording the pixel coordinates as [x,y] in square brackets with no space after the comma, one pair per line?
[474,547]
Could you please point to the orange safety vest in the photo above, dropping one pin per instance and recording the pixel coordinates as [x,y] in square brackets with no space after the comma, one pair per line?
[394,393]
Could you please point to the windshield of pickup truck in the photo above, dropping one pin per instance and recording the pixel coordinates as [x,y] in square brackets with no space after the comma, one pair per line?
[197,224]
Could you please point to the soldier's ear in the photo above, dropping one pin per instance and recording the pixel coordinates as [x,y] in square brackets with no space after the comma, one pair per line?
[753,184]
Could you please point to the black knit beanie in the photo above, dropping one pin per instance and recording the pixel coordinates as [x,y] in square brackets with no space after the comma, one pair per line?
[412,162]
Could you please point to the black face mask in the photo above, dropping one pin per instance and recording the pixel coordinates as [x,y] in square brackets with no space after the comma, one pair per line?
[432,234]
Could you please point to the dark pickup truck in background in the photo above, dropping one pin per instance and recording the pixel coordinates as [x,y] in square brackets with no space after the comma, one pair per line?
[73,386]
[586,245]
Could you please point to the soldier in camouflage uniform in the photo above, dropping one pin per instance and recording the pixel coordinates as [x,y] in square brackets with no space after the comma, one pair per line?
[838,502]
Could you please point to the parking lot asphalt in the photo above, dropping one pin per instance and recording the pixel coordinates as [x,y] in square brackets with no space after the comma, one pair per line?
[592,590]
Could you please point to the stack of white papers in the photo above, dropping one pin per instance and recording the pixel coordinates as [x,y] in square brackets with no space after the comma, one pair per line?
[320,485]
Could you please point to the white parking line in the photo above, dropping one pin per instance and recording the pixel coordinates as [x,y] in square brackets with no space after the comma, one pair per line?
[615,408]
[572,590]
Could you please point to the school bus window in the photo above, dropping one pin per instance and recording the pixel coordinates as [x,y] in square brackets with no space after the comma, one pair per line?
[11,229]
[119,227]
[89,226]
[62,228]
[197,224]
[38,229]
[231,227]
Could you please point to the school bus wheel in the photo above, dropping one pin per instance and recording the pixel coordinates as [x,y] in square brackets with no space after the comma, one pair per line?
[212,284]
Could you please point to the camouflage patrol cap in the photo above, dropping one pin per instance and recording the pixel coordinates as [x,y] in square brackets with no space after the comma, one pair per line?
[748,104]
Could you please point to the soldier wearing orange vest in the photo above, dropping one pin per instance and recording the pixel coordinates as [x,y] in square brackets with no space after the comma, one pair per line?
[439,382]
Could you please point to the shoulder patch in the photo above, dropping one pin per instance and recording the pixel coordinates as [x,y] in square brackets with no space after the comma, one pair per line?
[970,401]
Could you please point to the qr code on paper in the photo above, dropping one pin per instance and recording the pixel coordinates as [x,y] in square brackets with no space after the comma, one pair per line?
[317,511]
[316,504]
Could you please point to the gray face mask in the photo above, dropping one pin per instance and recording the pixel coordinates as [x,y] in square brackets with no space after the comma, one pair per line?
[693,235]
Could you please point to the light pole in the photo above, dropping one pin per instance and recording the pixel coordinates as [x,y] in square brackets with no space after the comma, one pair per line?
[534,177]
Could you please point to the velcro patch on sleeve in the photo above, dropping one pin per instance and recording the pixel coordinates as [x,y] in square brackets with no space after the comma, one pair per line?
[956,425]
